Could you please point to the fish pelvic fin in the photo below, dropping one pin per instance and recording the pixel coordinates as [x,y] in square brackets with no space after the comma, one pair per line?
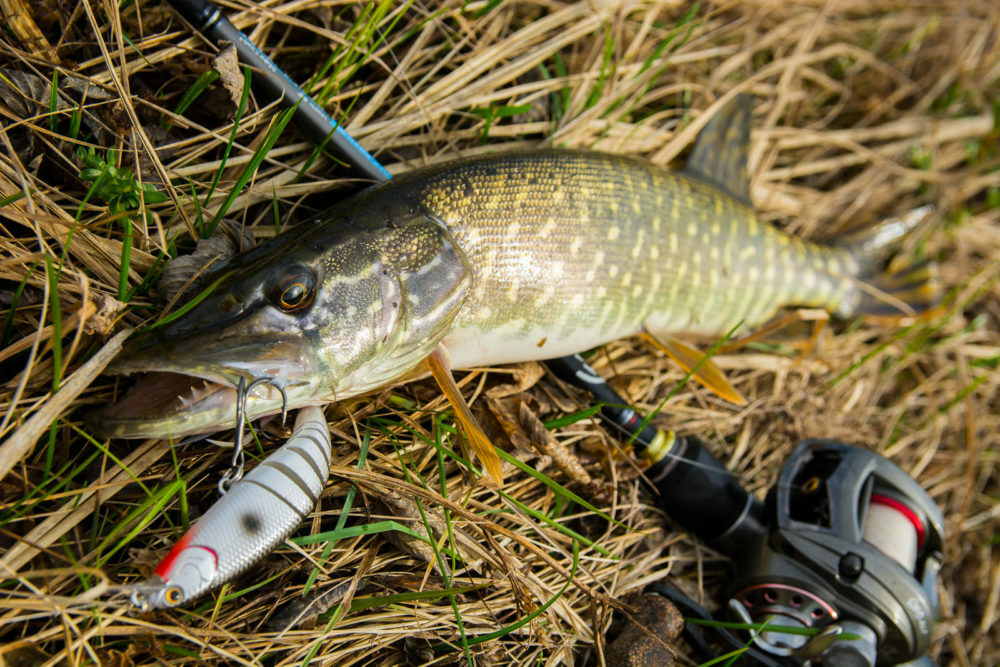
[708,374]
[439,364]
[890,285]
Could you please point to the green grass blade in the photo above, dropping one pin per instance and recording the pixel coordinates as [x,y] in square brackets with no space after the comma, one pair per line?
[190,304]
[760,627]
[240,110]
[11,198]
[687,18]
[670,394]
[557,488]
[371,602]
[345,512]
[54,101]
[50,451]
[281,120]
[355,531]
[108,453]
[530,617]
[75,121]
[725,657]
[55,312]
[573,418]
[568,532]
[487,8]
[128,40]
[8,327]
[41,493]
[607,69]
[443,483]
[126,260]
[195,90]
[142,516]
[438,558]
[317,644]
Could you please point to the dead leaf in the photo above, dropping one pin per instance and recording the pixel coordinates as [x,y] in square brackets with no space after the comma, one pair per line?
[525,374]
[547,443]
[102,313]
[404,508]
[302,612]
[227,64]
[524,449]
[186,271]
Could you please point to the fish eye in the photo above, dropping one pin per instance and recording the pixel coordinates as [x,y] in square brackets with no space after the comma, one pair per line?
[292,289]
[174,595]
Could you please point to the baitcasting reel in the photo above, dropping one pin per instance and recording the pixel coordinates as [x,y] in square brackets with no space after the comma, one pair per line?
[846,543]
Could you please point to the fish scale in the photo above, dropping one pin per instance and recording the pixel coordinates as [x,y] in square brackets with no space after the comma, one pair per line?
[624,244]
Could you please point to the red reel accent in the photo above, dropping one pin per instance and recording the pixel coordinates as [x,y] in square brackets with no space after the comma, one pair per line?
[918,525]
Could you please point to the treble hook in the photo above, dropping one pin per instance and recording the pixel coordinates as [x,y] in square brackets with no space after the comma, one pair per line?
[235,471]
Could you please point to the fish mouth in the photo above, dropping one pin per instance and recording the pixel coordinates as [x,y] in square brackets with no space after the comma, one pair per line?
[170,403]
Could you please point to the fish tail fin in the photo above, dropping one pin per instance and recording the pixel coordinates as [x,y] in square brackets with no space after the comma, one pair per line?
[904,289]
[903,286]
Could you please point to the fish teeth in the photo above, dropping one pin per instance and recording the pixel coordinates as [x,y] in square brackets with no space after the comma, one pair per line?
[194,393]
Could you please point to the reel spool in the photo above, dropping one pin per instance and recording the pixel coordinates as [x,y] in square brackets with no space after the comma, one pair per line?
[895,529]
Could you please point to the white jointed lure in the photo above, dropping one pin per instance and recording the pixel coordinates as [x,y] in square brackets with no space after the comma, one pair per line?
[254,517]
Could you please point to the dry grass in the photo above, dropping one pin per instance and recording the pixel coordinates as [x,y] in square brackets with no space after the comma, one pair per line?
[865,109]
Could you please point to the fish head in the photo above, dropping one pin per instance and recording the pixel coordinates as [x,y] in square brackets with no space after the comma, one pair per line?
[331,309]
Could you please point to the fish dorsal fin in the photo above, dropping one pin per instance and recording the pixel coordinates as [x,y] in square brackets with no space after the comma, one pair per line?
[720,152]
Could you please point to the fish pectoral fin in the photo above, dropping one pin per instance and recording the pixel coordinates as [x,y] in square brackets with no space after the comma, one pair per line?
[707,374]
[439,365]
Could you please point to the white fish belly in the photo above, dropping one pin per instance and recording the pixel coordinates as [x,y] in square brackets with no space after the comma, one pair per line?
[510,343]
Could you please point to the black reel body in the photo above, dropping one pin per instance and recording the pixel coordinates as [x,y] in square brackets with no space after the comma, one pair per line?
[846,543]
[854,541]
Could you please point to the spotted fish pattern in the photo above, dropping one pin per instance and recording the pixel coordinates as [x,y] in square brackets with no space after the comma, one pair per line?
[570,249]
[500,258]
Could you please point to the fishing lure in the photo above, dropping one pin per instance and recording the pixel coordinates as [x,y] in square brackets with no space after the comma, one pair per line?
[254,516]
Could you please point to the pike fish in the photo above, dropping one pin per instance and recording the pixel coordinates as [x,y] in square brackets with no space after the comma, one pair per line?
[494,259]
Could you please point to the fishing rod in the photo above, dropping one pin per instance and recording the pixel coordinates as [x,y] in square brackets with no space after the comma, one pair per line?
[846,543]
[310,117]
